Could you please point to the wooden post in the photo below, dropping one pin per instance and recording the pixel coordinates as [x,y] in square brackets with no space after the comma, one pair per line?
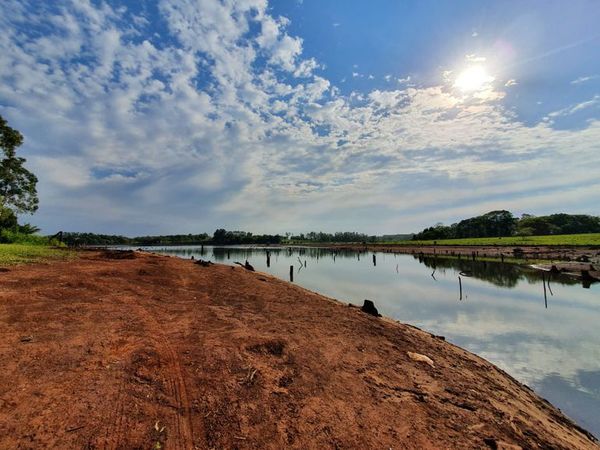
[460,288]
[374,260]
[268,259]
[291,274]
[545,297]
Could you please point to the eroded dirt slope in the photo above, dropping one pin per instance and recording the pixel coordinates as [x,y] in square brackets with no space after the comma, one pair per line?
[157,352]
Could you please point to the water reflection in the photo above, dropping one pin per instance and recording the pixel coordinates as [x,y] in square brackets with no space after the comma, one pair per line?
[497,273]
[543,331]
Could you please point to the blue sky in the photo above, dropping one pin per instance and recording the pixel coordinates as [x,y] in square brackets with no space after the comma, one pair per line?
[383,117]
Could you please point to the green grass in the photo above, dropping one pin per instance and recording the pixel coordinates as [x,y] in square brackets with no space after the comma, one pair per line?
[11,254]
[590,239]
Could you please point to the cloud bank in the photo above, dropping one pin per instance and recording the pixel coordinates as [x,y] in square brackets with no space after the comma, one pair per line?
[188,115]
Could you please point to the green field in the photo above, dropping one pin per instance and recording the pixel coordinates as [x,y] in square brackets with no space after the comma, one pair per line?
[11,254]
[591,239]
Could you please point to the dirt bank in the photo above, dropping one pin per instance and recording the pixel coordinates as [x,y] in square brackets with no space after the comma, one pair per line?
[547,252]
[157,352]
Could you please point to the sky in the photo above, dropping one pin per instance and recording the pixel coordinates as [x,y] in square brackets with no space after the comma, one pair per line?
[183,116]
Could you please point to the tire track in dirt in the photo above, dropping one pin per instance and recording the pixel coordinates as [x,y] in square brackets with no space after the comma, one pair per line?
[183,437]
[112,439]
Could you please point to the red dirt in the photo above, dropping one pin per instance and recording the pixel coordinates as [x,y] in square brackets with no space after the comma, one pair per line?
[154,351]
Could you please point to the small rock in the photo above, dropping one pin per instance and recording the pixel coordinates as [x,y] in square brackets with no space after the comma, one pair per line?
[369,308]
[421,358]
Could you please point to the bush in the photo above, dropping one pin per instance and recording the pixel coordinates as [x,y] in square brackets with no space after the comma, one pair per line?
[13,237]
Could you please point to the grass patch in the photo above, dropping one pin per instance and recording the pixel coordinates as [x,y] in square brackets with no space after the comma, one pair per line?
[11,254]
[589,239]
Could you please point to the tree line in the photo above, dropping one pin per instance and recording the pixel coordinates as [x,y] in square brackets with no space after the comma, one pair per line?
[82,239]
[502,223]
[219,237]
[340,236]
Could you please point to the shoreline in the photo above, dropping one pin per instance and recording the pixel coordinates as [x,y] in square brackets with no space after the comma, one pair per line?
[509,253]
[134,349]
[500,252]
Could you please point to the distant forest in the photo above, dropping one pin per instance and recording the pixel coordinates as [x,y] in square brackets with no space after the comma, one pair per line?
[503,224]
[493,224]
[224,237]
[220,237]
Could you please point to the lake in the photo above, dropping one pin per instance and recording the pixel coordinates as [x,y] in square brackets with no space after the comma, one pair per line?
[551,344]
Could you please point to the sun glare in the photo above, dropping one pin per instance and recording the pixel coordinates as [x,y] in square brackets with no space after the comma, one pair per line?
[474,78]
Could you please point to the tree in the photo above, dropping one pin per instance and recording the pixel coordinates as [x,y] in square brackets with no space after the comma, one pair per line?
[8,220]
[220,236]
[17,184]
[27,228]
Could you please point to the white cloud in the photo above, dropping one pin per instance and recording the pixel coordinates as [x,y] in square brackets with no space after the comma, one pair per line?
[219,124]
[474,58]
[584,79]
[576,108]
[306,68]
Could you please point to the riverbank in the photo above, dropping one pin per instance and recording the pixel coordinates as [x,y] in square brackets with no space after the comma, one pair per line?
[125,350]
[512,253]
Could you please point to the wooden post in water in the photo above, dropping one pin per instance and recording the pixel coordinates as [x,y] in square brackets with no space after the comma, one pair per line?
[291,274]
[545,297]
[268,259]
[374,260]
[460,288]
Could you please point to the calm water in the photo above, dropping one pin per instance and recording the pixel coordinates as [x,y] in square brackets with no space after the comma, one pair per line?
[553,346]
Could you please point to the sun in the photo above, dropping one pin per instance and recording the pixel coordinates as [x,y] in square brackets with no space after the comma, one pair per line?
[474,78]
